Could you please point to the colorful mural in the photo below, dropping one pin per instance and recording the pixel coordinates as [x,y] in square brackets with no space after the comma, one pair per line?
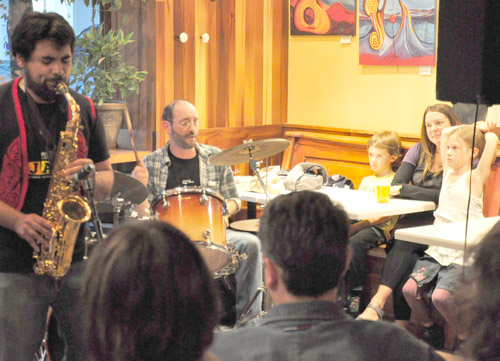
[397,32]
[323,17]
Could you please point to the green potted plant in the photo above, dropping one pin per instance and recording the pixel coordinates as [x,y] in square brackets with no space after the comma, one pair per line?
[100,71]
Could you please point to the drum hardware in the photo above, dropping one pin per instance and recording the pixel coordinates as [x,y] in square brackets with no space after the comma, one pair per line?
[251,151]
[166,204]
[259,149]
[89,241]
[127,192]
[198,212]
[255,166]
[243,318]
[203,199]
[233,264]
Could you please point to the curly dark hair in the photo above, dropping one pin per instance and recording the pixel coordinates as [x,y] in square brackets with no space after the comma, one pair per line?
[307,236]
[479,300]
[35,26]
[148,296]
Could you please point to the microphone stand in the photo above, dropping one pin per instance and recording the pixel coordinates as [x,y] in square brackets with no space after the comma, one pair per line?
[89,193]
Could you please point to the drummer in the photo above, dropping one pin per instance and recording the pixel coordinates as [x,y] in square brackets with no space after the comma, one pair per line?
[183,162]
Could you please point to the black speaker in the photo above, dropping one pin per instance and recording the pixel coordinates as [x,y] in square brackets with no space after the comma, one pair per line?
[468,57]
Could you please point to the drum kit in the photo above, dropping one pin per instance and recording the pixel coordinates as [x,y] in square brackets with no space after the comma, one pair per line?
[199,212]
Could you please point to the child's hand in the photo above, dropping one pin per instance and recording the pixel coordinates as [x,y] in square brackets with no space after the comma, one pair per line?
[486,126]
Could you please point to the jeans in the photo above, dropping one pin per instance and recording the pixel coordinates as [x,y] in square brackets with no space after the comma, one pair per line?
[24,302]
[249,273]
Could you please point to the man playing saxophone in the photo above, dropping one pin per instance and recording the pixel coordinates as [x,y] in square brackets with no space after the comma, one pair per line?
[32,118]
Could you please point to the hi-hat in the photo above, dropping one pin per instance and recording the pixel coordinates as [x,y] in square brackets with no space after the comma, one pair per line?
[126,187]
[246,225]
[256,150]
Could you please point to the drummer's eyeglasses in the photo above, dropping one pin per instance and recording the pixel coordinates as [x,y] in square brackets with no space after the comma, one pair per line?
[187,123]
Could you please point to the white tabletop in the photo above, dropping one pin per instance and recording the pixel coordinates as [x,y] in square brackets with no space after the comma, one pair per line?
[357,204]
[451,235]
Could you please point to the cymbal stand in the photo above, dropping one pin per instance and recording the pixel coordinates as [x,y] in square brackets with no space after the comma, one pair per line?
[117,203]
[243,319]
[89,193]
[254,165]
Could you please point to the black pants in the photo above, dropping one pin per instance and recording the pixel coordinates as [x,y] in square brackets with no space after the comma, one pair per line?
[398,265]
[360,243]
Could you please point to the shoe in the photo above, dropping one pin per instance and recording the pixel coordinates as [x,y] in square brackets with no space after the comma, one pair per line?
[378,311]
[434,336]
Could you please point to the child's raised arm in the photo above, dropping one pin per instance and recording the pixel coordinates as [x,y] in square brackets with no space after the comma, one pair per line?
[483,168]
[443,148]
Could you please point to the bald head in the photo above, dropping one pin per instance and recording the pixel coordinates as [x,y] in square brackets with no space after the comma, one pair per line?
[168,111]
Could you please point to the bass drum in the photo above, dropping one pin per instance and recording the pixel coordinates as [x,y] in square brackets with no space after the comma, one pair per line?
[198,212]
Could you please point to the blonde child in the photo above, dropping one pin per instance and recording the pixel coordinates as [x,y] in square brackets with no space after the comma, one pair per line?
[384,151]
[443,264]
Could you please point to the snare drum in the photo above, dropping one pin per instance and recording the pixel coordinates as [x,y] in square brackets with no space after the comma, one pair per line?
[198,212]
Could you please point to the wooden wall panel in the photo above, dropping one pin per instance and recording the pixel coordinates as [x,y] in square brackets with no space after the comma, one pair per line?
[239,78]
[165,64]
[341,151]
[279,89]
[140,17]
[184,53]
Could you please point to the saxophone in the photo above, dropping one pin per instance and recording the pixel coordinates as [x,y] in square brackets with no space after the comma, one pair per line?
[63,207]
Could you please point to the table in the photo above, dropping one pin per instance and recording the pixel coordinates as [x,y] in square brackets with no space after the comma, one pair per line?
[358,204]
[449,235]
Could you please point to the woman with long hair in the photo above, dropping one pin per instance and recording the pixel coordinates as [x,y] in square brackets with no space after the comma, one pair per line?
[419,177]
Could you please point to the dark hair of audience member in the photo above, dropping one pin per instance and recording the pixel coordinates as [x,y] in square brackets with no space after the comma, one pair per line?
[479,300]
[148,296]
[35,26]
[307,237]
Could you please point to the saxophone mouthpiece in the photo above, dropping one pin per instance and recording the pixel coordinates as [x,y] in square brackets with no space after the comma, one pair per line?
[61,88]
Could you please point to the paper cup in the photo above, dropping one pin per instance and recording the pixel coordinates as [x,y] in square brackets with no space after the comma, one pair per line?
[382,193]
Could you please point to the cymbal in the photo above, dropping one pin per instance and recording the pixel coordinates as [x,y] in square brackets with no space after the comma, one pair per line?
[130,189]
[258,149]
[246,225]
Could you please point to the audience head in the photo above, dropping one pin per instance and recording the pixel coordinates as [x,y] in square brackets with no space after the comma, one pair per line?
[436,118]
[148,296]
[479,300]
[306,237]
[389,143]
[35,26]
[466,136]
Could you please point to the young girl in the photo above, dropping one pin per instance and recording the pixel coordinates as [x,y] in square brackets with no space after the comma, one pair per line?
[384,151]
[444,263]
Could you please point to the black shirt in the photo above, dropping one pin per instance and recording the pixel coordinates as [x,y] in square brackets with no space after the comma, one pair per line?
[183,172]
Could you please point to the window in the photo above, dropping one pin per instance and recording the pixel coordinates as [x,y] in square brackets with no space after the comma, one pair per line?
[78,15]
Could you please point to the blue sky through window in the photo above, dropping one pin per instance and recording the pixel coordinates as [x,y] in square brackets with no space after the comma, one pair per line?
[77,14]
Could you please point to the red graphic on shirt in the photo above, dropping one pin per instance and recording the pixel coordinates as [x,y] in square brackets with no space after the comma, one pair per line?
[83,150]
[10,174]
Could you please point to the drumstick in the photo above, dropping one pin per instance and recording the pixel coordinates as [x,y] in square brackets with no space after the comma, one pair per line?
[129,126]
